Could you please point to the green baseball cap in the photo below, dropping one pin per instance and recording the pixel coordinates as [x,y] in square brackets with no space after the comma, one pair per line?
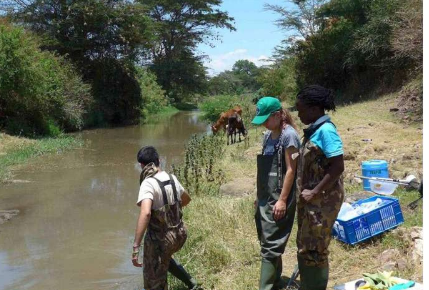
[264,108]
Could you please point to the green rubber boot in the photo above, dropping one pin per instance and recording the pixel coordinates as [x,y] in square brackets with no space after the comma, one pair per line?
[268,274]
[313,278]
[279,283]
[180,273]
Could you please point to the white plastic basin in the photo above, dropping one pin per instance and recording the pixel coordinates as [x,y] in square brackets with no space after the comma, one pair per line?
[381,187]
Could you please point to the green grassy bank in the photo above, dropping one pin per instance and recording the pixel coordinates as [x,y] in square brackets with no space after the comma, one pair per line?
[163,114]
[15,151]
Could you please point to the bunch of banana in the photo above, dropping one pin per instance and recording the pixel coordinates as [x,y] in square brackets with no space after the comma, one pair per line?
[379,281]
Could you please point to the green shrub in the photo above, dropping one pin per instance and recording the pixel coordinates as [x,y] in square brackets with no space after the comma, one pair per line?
[279,80]
[212,107]
[153,96]
[38,90]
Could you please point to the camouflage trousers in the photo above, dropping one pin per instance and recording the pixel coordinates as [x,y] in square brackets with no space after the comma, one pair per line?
[316,218]
[158,250]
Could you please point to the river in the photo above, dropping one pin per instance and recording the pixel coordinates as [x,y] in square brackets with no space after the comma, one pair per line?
[77,209]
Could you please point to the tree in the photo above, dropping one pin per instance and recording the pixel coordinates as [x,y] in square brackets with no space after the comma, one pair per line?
[86,30]
[248,73]
[343,44]
[179,27]
[407,36]
[103,38]
[225,83]
[301,20]
[181,76]
[279,79]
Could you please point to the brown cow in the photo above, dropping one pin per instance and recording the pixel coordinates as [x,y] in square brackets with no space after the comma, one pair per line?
[223,119]
[235,123]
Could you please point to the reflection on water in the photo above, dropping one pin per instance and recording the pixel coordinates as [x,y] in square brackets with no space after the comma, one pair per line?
[78,214]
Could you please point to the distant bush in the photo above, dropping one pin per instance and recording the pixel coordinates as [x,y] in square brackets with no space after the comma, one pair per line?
[279,80]
[153,96]
[212,107]
[40,93]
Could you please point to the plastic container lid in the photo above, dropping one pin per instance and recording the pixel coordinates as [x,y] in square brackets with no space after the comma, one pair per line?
[374,164]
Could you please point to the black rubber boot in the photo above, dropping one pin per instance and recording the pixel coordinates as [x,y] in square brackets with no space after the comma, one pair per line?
[268,274]
[313,278]
[180,273]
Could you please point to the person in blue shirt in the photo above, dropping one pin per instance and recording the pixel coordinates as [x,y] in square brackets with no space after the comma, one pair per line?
[320,188]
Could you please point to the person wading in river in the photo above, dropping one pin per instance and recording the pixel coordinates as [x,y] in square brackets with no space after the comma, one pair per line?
[161,198]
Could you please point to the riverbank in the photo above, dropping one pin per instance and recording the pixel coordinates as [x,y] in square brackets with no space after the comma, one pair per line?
[163,114]
[222,250]
[16,151]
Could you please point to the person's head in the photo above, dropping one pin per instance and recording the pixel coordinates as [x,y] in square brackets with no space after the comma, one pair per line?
[270,114]
[148,154]
[312,102]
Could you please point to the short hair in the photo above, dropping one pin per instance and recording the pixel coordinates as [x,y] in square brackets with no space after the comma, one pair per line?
[147,155]
[318,96]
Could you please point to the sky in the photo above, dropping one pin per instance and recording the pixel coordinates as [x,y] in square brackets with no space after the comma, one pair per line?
[254,40]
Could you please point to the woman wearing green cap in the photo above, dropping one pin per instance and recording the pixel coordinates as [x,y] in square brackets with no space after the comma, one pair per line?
[276,202]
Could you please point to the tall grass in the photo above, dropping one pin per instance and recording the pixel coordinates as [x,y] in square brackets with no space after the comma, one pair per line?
[200,172]
[222,250]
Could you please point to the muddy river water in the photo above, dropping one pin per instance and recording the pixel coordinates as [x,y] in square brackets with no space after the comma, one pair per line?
[77,209]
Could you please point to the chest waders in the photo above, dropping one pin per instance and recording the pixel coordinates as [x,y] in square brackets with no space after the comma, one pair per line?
[316,217]
[166,235]
[273,235]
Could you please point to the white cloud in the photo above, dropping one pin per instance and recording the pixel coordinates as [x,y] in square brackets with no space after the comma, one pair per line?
[222,62]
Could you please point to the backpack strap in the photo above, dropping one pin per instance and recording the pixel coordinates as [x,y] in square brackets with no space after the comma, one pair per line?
[162,186]
[173,185]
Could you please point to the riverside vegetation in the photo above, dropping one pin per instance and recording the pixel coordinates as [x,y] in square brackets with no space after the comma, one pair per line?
[104,63]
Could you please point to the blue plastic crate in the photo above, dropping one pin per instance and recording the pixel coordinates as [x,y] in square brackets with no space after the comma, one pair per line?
[365,226]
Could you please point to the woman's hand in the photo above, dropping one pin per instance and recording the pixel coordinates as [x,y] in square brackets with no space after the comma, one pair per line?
[308,194]
[279,210]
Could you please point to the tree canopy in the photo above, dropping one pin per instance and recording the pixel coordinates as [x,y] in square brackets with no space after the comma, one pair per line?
[179,27]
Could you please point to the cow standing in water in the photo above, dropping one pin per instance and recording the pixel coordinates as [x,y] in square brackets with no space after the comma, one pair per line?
[222,122]
[235,123]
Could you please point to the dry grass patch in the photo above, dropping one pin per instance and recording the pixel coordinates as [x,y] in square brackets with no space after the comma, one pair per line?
[8,143]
